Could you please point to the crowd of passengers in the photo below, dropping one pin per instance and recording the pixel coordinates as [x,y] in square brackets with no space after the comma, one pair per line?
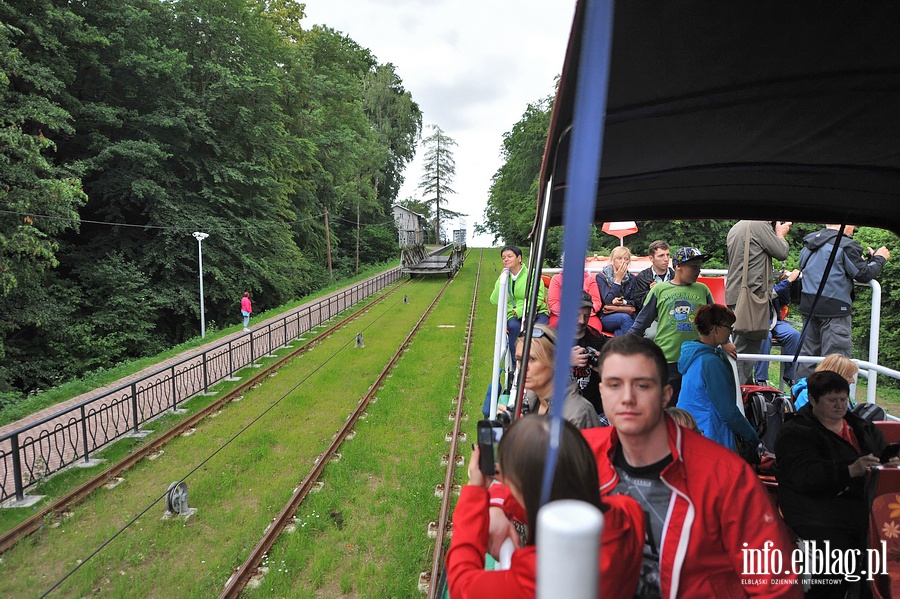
[653,431]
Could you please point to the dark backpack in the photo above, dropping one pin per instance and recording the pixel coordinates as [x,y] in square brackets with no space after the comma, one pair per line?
[765,407]
[869,411]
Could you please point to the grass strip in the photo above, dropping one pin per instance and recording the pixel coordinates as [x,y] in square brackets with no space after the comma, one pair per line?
[237,492]
[365,533]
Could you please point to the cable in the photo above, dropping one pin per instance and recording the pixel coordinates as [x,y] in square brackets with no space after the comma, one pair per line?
[213,454]
[168,228]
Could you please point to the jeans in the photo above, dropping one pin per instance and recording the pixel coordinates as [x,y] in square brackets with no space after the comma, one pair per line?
[617,323]
[514,326]
[789,339]
[246,318]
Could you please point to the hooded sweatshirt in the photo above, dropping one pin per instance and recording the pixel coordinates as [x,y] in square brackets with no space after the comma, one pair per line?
[848,266]
[708,392]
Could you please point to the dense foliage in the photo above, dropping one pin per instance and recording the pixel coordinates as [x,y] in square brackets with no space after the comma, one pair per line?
[511,206]
[125,125]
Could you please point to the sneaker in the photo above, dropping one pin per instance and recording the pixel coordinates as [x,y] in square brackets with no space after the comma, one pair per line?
[246,330]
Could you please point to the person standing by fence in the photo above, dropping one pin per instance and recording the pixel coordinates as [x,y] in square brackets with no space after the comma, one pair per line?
[246,310]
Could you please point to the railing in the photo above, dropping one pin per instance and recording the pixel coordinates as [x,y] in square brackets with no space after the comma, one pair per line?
[33,452]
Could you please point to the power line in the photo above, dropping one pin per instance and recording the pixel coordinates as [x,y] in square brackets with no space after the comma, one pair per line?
[147,226]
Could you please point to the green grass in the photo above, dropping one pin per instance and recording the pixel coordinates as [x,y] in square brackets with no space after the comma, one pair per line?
[100,378]
[237,491]
[365,533]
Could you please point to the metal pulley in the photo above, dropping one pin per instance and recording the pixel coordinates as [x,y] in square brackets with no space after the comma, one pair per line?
[177,498]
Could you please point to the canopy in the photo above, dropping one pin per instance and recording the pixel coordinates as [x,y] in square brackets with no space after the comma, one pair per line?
[758,110]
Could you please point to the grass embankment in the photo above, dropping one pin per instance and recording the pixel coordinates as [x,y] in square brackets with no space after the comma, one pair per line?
[105,376]
[237,491]
[365,533]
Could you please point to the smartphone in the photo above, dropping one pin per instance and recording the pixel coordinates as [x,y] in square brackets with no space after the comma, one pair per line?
[891,451]
[489,434]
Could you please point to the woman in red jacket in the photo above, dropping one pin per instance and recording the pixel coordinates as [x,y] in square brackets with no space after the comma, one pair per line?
[522,454]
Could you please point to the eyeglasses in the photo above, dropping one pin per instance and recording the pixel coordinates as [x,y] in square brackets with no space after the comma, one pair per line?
[727,326]
[537,333]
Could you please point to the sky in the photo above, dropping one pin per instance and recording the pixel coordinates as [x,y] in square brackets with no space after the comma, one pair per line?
[472,66]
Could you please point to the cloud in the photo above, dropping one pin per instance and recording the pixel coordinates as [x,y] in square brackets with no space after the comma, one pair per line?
[472,65]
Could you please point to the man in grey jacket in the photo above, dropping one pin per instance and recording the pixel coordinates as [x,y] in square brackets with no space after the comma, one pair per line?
[829,329]
[767,241]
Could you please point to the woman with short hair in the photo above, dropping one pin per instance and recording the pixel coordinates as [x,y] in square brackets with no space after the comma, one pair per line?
[708,387]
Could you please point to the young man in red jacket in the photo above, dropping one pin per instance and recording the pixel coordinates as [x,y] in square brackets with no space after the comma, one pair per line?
[709,522]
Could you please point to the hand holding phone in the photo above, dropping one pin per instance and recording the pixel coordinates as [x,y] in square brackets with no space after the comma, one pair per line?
[891,451]
[489,434]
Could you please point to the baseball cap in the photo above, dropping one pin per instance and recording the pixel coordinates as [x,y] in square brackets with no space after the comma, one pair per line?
[586,300]
[686,254]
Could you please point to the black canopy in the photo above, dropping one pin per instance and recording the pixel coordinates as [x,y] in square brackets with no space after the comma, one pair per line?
[760,110]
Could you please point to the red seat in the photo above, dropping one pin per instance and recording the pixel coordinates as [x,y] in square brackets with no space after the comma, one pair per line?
[890,430]
[884,486]
[716,287]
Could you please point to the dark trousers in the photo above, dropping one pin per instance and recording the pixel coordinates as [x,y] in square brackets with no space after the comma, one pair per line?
[842,539]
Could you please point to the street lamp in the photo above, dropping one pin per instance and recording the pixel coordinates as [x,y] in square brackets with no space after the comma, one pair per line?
[200,237]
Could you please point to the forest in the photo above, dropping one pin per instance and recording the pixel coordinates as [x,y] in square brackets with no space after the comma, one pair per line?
[513,196]
[126,125]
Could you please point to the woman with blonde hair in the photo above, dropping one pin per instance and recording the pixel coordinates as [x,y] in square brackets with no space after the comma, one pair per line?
[616,287]
[838,363]
[539,381]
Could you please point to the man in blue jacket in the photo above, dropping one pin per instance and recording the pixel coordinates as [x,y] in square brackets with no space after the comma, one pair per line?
[829,328]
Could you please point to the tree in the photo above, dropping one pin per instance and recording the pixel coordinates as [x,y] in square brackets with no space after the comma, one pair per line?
[510,209]
[440,167]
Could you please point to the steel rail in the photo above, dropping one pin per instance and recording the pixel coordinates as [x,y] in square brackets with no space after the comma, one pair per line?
[22,530]
[437,562]
[242,574]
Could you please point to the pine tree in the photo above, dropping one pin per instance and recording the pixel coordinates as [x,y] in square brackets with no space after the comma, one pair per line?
[440,167]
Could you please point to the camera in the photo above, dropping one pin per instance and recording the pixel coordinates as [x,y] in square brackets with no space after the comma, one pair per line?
[593,356]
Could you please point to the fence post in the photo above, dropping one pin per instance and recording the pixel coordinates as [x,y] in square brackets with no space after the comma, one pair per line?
[205,375]
[133,409]
[252,354]
[174,391]
[84,431]
[17,468]
[230,361]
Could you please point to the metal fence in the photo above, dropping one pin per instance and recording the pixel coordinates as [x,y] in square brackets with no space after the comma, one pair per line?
[34,452]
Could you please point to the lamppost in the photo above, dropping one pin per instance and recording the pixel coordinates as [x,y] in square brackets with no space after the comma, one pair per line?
[200,237]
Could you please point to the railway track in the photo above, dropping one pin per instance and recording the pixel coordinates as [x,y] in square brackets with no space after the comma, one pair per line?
[442,526]
[10,538]
[251,566]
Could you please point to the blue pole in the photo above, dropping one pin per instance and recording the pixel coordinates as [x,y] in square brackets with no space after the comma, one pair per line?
[589,116]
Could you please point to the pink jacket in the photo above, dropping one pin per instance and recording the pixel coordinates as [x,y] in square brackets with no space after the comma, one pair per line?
[554,299]
[246,306]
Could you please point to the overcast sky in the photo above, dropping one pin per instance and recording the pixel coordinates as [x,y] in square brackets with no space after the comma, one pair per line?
[471,65]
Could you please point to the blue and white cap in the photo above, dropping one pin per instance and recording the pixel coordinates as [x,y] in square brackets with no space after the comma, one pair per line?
[686,254]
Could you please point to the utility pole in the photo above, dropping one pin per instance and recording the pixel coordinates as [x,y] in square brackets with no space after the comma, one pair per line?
[357,236]
[328,243]
[200,237]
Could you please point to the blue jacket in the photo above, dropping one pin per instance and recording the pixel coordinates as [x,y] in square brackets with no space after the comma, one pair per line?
[709,391]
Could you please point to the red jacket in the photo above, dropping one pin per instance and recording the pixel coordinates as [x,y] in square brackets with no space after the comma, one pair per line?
[620,552]
[720,509]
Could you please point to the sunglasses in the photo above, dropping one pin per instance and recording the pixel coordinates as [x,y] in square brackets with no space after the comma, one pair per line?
[537,334]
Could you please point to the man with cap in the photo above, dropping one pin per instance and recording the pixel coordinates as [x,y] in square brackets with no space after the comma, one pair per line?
[672,305]
[588,343]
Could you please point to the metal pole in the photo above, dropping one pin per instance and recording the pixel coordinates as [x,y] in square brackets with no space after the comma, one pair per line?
[200,237]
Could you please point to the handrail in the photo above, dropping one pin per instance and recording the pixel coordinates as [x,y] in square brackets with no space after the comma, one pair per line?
[33,452]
